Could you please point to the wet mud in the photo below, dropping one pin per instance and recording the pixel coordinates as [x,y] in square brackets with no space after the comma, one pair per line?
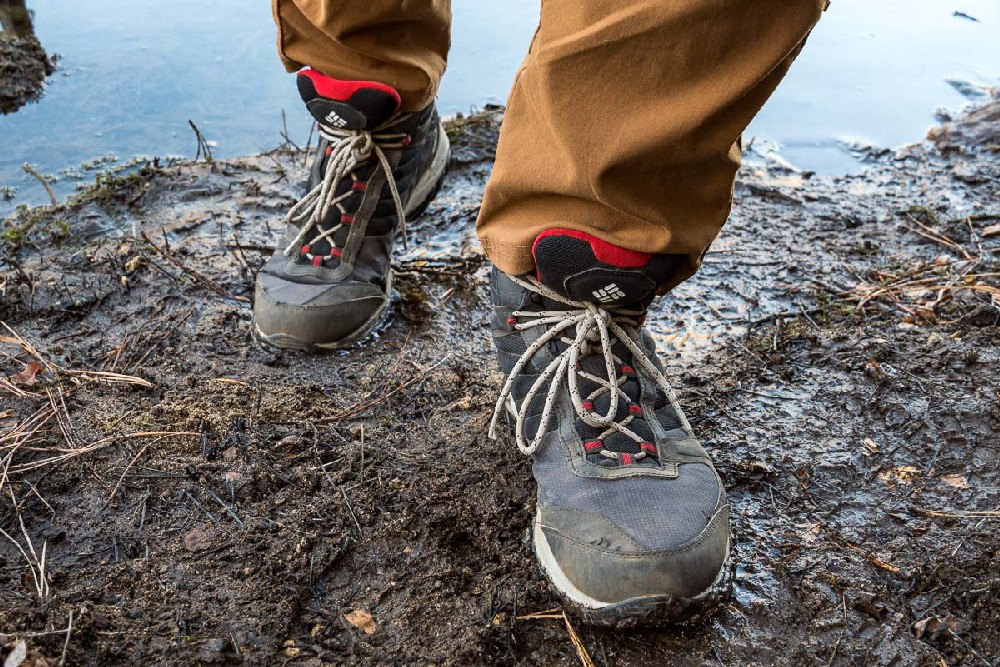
[203,500]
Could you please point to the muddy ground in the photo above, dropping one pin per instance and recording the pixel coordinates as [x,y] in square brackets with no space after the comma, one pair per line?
[201,499]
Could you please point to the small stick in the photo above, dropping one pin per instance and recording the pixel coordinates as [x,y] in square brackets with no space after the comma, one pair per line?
[284,132]
[200,277]
[202,144]
[125,472]
[305,158]
[358,408]
[200,506]
[353,515]
[69,631]
[228,510]
[41,179]
[581,650]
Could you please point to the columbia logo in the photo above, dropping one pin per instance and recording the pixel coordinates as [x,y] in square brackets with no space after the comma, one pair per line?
[333,119]
[609,293]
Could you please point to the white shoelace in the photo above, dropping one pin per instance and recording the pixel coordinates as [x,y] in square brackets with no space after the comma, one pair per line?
[348,150]
[596,330]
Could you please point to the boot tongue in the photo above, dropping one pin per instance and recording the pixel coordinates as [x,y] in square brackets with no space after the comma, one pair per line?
[585,268]
[347,105]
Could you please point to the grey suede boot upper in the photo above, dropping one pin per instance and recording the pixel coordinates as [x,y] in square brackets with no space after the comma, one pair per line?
[329,281]
[631,514]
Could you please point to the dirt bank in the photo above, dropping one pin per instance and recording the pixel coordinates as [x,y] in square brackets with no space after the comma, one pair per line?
[201,499]
[24,66]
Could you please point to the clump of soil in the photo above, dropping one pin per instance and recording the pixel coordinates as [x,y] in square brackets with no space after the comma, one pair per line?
[201,499]
[24,66]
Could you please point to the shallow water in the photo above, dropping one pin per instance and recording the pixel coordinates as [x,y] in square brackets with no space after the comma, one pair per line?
[132,73]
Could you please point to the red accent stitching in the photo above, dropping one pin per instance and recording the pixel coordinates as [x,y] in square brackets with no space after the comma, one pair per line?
[603,251]
[342,91]
[587,405]
[317,261]
[511,320]
[649,447]
[628,370]
[635,409]
[592,445]
[627,459]
[347,219]
[336,252]
[306,249]
[360,186]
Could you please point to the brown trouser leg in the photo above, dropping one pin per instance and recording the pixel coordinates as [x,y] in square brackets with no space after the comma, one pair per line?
[403,43]
[624,120]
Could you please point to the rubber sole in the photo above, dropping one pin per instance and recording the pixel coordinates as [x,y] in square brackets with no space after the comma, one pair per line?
[423,193]
[653,610]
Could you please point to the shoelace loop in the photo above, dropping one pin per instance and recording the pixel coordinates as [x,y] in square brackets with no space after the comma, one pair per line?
[348,149]
[591,330]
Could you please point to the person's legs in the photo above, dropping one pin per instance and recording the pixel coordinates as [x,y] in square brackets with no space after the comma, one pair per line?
[624,122]
[613,175]
[373,70]
[401,43]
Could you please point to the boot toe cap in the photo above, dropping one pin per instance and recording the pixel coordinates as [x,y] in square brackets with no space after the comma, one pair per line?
[296,315]
[597,562]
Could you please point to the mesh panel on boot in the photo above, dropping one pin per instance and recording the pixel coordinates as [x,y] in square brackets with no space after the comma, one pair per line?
[657,513]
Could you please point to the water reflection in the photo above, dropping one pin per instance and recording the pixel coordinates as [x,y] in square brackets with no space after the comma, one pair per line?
[24,65]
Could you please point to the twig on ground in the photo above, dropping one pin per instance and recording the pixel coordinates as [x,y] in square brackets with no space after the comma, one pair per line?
[226,508]
[960,515]
[198,504]
[28,169]
[125,472]
[354,516]
[556,614]
[203,146]
[200,277]
[69,633]
[362,406]
[36,564]
[284,132]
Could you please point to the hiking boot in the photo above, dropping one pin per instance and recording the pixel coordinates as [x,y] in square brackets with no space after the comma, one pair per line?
[632,523]
[328,283]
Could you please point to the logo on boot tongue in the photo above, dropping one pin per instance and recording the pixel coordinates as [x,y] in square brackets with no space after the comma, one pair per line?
[333,119]
[608,293]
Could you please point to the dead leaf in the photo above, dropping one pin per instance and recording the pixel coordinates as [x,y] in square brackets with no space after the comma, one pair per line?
[992,230]
[464,403]
[871,446]
[26,378]
[899,475]
[943,627]
[6,414]
[17,656]
[361,620]
[920,627]
[198,539]
[957,481]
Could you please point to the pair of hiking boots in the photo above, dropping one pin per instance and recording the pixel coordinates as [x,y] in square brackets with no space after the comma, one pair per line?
[632,523]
